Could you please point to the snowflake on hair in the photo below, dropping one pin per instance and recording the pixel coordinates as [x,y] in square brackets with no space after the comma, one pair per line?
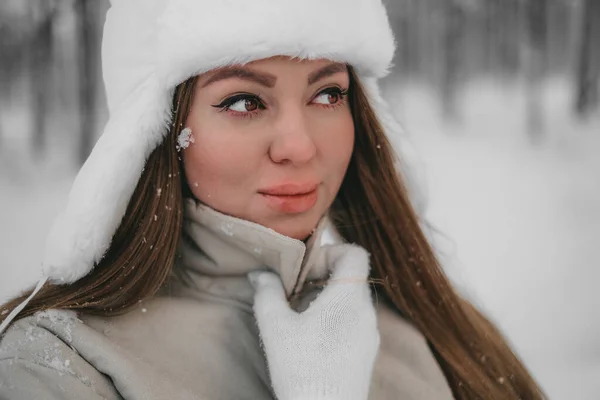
[184,139]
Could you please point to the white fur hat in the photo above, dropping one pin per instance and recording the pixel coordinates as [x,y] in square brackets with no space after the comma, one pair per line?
[149,47]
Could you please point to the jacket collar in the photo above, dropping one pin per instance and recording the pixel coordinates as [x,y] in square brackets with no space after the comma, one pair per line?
[215,245]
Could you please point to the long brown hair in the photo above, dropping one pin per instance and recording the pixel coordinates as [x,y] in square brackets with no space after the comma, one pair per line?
[372,209]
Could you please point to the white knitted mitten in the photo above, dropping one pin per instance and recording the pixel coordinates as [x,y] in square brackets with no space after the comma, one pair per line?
[328,351]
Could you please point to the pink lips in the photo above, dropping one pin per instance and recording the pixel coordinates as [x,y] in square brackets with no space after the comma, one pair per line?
[291,198]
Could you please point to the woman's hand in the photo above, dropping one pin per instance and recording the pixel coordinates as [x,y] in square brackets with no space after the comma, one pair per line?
[328,351]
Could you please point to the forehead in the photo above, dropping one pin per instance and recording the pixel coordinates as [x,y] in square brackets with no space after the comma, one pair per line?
[286,60]
[266,71]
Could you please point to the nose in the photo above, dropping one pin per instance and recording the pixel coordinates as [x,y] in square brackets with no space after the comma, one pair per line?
[292,142]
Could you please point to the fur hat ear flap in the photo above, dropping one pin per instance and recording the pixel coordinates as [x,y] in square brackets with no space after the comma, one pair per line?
[100,194]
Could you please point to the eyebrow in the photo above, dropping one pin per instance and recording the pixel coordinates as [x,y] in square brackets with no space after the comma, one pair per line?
[268,80]
[326,71]
[261,78]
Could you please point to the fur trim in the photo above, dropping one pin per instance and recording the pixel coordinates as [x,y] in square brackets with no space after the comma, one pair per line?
[150,46]
[353,31]
[100,194]
[177,39]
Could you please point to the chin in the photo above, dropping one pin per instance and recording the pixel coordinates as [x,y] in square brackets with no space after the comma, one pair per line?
[301,235]
[298,228]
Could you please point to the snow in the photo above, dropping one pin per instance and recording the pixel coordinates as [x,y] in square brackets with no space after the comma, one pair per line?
[518,223]
[184,139]
[227,228]
[52,359]
[64,318]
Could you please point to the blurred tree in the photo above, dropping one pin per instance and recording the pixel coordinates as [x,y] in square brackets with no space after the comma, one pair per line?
[402,15]
[26,45]
[16,30]
[488,17]
[88,35]
[588,65]
[452,39]
[536,17]
[41,49]
[509,35]
[560,13]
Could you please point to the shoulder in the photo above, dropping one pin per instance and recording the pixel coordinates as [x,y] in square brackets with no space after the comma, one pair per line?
[39,337]
[37,360]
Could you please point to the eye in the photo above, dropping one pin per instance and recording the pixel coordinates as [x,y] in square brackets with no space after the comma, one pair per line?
[245,105]
[331,96]
[241,104]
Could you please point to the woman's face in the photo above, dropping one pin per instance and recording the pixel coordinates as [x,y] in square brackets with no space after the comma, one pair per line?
[271,141]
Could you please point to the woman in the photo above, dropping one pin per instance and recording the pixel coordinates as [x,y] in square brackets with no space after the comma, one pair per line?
[239,133]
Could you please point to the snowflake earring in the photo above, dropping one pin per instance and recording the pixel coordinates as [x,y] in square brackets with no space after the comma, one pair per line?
[184,139]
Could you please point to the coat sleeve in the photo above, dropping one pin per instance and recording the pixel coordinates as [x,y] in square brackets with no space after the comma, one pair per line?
[36,364]
[25,380]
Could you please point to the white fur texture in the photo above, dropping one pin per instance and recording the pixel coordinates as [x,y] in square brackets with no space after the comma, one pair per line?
[176,39]
[100,194]
[150,46]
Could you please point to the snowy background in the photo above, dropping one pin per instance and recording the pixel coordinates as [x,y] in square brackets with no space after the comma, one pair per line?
[519,219]
[521,223]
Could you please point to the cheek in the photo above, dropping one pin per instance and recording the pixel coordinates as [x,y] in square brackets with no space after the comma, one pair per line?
[218,167]
[336,148]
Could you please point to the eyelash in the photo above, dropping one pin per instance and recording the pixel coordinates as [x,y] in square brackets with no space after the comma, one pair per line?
[227,103]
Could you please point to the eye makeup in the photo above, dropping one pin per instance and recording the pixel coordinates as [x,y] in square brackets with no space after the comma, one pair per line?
[254,104]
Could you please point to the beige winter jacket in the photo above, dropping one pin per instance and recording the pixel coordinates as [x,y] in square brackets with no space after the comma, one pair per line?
[198,338]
